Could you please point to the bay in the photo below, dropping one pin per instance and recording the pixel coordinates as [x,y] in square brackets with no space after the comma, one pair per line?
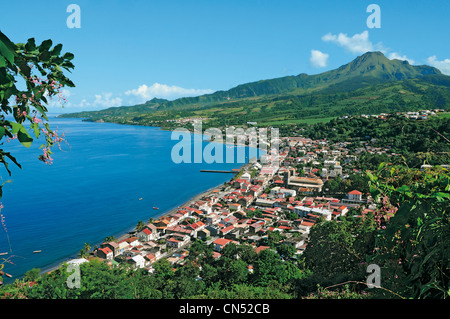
[105,179]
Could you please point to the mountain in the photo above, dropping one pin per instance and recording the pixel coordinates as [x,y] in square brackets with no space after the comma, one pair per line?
[368,84]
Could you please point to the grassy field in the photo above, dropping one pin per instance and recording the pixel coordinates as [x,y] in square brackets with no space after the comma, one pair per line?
[297,121]
[444,115]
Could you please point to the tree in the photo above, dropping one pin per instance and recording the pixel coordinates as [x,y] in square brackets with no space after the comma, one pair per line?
[140,225]
[110,238]
[32,274]
[84,252]
[286,250]
[40,67]
[39,70]
[413,242]
[338,248]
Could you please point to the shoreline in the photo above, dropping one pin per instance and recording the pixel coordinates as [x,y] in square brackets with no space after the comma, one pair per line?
[128,233]
[175,209]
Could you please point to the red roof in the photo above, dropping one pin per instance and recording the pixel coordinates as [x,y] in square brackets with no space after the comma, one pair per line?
[261,248]
[355,192]
[106,250]
[307,224]
[221,241]
[229,228]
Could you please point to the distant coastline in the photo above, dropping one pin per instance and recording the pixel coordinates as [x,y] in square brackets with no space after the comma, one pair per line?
[126,233]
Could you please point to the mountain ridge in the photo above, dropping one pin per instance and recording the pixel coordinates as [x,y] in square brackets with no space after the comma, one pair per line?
[366,65]
[329,93]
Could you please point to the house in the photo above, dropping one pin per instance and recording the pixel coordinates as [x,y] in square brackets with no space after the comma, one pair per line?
[264,202]
[161,225]
[353,197]
[178,229]
[240,214]
[306,226]
[230,220]
[173,243]
[234,234]
[239,183]
[213,229]
[169,221]
[234,206]
[212,218]
[343,210]
[282,192]
[220,243]
[150,258]
[246,176]
[256,226]
[137,261]
[245,201]
[132,241]
[226,230]
[197,226]
[302,211]
[297,242]
[203,234]
[177,240]
[113,246]
[122,247]
[145,235]
[105,253]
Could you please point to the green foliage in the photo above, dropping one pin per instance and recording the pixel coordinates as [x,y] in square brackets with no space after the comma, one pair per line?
[338,248]
[413,248]
[40,68]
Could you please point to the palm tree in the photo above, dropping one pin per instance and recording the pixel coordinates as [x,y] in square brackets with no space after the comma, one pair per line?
[140,225]
[84,252]
[110,238]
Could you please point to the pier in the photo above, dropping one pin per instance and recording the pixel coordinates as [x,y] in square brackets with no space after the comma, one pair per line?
[218,171]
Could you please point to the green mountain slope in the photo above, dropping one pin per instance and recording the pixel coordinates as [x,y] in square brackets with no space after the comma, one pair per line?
[369,84]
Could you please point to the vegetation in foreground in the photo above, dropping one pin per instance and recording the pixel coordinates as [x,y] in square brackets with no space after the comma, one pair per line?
[408,237]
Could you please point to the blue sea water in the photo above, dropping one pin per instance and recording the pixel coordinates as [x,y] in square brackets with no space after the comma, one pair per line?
[105,179]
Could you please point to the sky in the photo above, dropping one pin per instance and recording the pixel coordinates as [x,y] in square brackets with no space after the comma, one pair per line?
[128,52]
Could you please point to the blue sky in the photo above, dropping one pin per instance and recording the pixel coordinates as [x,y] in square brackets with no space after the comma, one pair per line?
[127,52]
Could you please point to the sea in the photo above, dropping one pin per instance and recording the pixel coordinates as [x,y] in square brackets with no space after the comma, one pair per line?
[104,179]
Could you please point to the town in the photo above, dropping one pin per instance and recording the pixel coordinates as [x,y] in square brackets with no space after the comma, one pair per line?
[284,192]
[261,198]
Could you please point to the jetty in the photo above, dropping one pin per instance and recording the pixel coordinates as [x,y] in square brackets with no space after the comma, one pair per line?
[218,171]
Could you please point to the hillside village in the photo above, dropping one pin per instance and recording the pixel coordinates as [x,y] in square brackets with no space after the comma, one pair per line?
[265,196]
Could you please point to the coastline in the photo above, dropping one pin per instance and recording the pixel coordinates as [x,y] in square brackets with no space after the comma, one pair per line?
[129,232]
[126,234]
[175,209]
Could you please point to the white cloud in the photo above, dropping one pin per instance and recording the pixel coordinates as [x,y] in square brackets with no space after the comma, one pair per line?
[106,100]
[443,66]
[165,91]
[395,55]
[358,43]
[318,59]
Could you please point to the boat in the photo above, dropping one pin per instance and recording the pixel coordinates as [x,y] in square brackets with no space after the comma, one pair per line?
[8,275]
[155,208]
[140,198]
[37,251]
